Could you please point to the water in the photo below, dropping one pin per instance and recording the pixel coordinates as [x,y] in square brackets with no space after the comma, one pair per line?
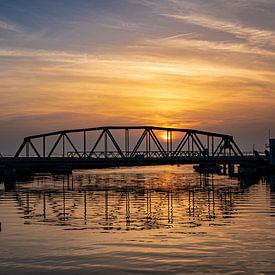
[149,220]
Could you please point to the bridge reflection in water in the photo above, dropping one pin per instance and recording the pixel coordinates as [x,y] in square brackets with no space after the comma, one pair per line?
[121,201]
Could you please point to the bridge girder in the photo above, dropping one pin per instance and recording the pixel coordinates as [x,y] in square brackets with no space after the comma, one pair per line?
[149,144]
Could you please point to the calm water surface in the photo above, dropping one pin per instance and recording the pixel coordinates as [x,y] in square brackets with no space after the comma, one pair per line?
[152,220]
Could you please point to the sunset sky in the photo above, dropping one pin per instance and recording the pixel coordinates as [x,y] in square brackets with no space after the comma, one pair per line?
[202,64]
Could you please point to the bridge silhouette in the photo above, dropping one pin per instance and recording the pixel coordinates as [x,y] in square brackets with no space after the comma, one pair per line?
[124,146]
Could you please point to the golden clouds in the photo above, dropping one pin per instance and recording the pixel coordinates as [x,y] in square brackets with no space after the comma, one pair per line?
[143,87]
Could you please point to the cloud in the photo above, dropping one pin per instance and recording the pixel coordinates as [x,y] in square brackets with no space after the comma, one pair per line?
[131,69]
[117,24]
[9,27]
[253,35]
[17,52]
[178,41]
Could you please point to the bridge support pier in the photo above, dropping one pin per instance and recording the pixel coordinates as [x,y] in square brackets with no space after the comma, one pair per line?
[9,184]
[8,177]
[224,170]
[7,172]
[231,169]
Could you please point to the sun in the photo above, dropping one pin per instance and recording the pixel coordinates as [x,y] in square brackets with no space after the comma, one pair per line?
[164,136]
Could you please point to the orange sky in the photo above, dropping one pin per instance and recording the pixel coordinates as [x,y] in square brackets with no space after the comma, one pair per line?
[163,63]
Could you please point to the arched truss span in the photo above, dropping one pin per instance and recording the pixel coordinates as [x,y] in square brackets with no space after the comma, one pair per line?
[129,142]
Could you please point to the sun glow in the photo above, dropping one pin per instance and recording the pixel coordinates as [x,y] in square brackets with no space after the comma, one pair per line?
[165,136]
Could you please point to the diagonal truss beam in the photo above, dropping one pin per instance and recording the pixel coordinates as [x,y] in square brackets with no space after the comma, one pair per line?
[22,146]
[198,143]
[55,145]
[157,143]
[138,143]
[201,146]
[76,151]
[181,144]
[115,143]
[96,143]
[34,149]
[235,146]
[218,148]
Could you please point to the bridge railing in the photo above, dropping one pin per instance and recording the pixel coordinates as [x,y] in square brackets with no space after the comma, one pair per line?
[251,153]
[138,155]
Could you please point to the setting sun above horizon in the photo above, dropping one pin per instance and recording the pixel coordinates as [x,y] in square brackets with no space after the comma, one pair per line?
[167,136]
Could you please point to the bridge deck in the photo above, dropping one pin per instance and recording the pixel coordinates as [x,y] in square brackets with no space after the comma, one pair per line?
[47,164]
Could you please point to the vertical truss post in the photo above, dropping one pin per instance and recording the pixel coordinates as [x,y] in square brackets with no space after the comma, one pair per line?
[167,142]
[63,145]
[147,138]
[171,142]
[149,143]
[44,146]
[84,144]
[105,144]
[27,149]
[192,142]
[126,140]
[208,151]
[212,153]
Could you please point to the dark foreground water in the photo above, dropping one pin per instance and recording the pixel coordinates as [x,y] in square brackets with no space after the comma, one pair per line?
[156,220]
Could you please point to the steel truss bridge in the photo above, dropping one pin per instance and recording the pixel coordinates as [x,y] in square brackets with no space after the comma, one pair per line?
[123,146]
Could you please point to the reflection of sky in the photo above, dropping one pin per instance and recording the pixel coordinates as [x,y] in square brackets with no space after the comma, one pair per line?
[46,226]
[199,64]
